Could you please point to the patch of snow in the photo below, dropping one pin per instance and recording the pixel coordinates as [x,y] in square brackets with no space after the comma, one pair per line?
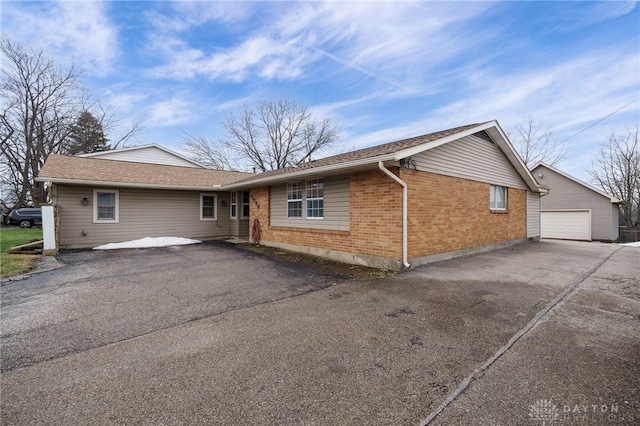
[149,242]
[636,244]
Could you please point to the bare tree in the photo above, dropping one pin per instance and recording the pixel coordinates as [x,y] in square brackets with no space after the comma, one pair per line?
[616,169]
[113,124]
[535,144]
[277,134]
[210,155]
[40,101]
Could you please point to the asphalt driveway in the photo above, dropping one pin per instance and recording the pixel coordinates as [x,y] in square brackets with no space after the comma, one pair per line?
[214,335]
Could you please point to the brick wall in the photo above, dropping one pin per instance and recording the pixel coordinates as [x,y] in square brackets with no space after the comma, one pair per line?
[445,214]
[375,220]
[448,213]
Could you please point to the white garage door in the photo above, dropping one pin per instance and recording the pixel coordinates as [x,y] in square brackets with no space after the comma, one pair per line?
[566,224]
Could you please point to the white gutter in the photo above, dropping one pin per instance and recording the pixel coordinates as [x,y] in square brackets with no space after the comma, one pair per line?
[404,211]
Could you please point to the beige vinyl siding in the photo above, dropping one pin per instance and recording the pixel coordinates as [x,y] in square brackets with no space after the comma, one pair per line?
[471,158]
[143,213]
[566,194]
[149,154]
[615,222]
[336,206]
[533,214]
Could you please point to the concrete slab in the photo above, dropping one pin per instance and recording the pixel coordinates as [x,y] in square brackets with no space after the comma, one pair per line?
[580,365]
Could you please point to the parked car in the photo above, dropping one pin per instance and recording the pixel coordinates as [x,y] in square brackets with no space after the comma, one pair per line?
[25,218]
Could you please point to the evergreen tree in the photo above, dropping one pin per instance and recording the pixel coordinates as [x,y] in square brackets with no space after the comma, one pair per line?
[86,136]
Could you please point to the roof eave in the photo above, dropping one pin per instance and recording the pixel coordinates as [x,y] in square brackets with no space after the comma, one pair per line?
[409,152]
[312,171]
[99,183]
[500,139]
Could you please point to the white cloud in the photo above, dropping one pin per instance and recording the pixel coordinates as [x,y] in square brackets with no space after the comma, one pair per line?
[76,30]
[173,112]
[386,41]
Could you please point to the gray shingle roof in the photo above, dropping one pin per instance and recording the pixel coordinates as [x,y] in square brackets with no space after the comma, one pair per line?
[374,151]
[67,168]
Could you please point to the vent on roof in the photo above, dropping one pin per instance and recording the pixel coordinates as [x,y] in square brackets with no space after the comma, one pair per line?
[484,136]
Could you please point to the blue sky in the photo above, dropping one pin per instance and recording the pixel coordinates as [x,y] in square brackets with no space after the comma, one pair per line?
[381,71]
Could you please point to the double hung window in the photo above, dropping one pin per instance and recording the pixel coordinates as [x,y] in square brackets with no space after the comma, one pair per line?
[498,197]
[106,206]
[207,206]
[294,200]
[315,199]
[309,194]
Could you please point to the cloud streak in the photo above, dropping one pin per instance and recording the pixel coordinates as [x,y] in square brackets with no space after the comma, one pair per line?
[81,30]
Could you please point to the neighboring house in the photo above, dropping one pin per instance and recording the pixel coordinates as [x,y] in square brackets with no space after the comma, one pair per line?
[575,210]
[406,202]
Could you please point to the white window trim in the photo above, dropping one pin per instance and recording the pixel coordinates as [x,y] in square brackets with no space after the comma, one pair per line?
[492,197]
[306,199]
[302,204]
[242,204]
[116,218]
[233,201]
[215,205]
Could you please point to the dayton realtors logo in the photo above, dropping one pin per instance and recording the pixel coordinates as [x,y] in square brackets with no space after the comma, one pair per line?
[544,411]
[548,413]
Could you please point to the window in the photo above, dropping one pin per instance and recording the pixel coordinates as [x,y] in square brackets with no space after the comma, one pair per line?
[245,204]
[498,198]
[315,199]
[207,206]
[294,199]
[106,205]
[234,205]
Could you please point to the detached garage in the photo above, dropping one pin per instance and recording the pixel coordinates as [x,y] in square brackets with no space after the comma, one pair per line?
[574,210]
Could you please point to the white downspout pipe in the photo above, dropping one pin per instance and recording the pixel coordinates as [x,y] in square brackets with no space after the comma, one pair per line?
[404,211]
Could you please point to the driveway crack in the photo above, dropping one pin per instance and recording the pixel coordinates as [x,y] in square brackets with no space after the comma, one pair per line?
[539,316]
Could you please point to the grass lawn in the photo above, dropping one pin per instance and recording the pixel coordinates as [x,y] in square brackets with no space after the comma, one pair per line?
[12,264]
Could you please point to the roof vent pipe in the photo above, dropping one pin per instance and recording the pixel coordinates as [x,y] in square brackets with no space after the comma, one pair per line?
[404,211]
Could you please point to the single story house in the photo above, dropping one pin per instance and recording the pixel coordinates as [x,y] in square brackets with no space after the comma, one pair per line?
[402,203]
[575,210]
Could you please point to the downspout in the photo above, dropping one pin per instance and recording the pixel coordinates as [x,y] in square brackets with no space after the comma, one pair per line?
[404,211]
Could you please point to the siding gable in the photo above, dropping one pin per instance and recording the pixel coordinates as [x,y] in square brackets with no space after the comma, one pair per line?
[147,154]
[473,158]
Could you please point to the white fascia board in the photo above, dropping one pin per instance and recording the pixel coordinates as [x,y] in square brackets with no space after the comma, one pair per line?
[128,184]
[409,152]
[613,199]
[313,171]
[511,153]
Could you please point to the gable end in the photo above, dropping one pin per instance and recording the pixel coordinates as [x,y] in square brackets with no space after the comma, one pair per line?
[484,136]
